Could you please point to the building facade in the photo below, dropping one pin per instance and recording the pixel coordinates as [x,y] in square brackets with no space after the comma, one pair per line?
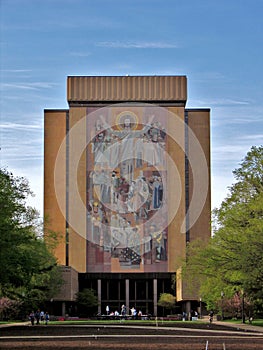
[127,186]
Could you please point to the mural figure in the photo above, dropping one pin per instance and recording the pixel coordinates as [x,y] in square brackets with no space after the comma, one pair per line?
[157,192]
[99,145]
[125,190]
[158,243]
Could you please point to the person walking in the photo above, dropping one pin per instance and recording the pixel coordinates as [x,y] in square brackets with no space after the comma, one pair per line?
[42,316]
[46,318]
[123,310]
[211,316]
[32,318]
[37,316]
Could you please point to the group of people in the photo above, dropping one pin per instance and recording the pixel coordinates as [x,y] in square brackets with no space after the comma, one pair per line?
[39,316]
[124,312]
[190,316]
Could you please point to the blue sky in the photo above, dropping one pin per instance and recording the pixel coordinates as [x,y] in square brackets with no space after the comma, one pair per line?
[218,45]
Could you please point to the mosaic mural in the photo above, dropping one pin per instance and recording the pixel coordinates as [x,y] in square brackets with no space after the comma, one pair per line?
[126,190]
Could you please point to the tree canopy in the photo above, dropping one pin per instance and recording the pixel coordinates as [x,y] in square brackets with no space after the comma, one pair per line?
[27,266]
[167,300]
[86,301]
[232,263]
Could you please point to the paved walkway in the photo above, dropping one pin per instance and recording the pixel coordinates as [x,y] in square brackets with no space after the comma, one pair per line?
[3,325]
[238,326]
[242,326]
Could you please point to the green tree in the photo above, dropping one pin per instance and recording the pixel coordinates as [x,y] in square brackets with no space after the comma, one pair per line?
[167,301]
[28,270]
[86,301]
[232,261]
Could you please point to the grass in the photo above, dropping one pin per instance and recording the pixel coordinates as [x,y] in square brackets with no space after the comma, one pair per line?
[87,321]
[142,322]
[256,322]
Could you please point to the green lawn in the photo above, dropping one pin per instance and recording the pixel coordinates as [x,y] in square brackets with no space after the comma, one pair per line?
[256,322]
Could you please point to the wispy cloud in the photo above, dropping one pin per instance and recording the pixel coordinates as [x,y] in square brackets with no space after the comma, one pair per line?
[16,126]
[15,70]
[239,115]
[228,156]
[229,149]
[220,102]
[52,22]
[25,158]
[28,86]
[228,120]
[20,149]
[80,54]
[136,45]
[209,76]
[253,137]
[229,102]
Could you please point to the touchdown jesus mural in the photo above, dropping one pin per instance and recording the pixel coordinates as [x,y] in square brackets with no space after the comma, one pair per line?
[126,190]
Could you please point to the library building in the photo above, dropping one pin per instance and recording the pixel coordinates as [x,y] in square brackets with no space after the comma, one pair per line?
[126,188]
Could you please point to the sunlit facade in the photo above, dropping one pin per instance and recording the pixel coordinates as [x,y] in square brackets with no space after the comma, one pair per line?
[127,186]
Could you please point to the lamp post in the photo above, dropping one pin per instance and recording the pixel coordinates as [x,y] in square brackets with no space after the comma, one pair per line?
[243,306]
[222,299]
[200,308]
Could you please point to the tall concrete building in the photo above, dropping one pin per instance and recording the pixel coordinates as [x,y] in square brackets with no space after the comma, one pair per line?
[127,186]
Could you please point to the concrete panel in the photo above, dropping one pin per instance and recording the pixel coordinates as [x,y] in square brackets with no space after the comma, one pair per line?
[54,133]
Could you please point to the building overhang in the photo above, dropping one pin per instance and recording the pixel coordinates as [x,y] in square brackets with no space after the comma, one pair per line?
[118,89]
